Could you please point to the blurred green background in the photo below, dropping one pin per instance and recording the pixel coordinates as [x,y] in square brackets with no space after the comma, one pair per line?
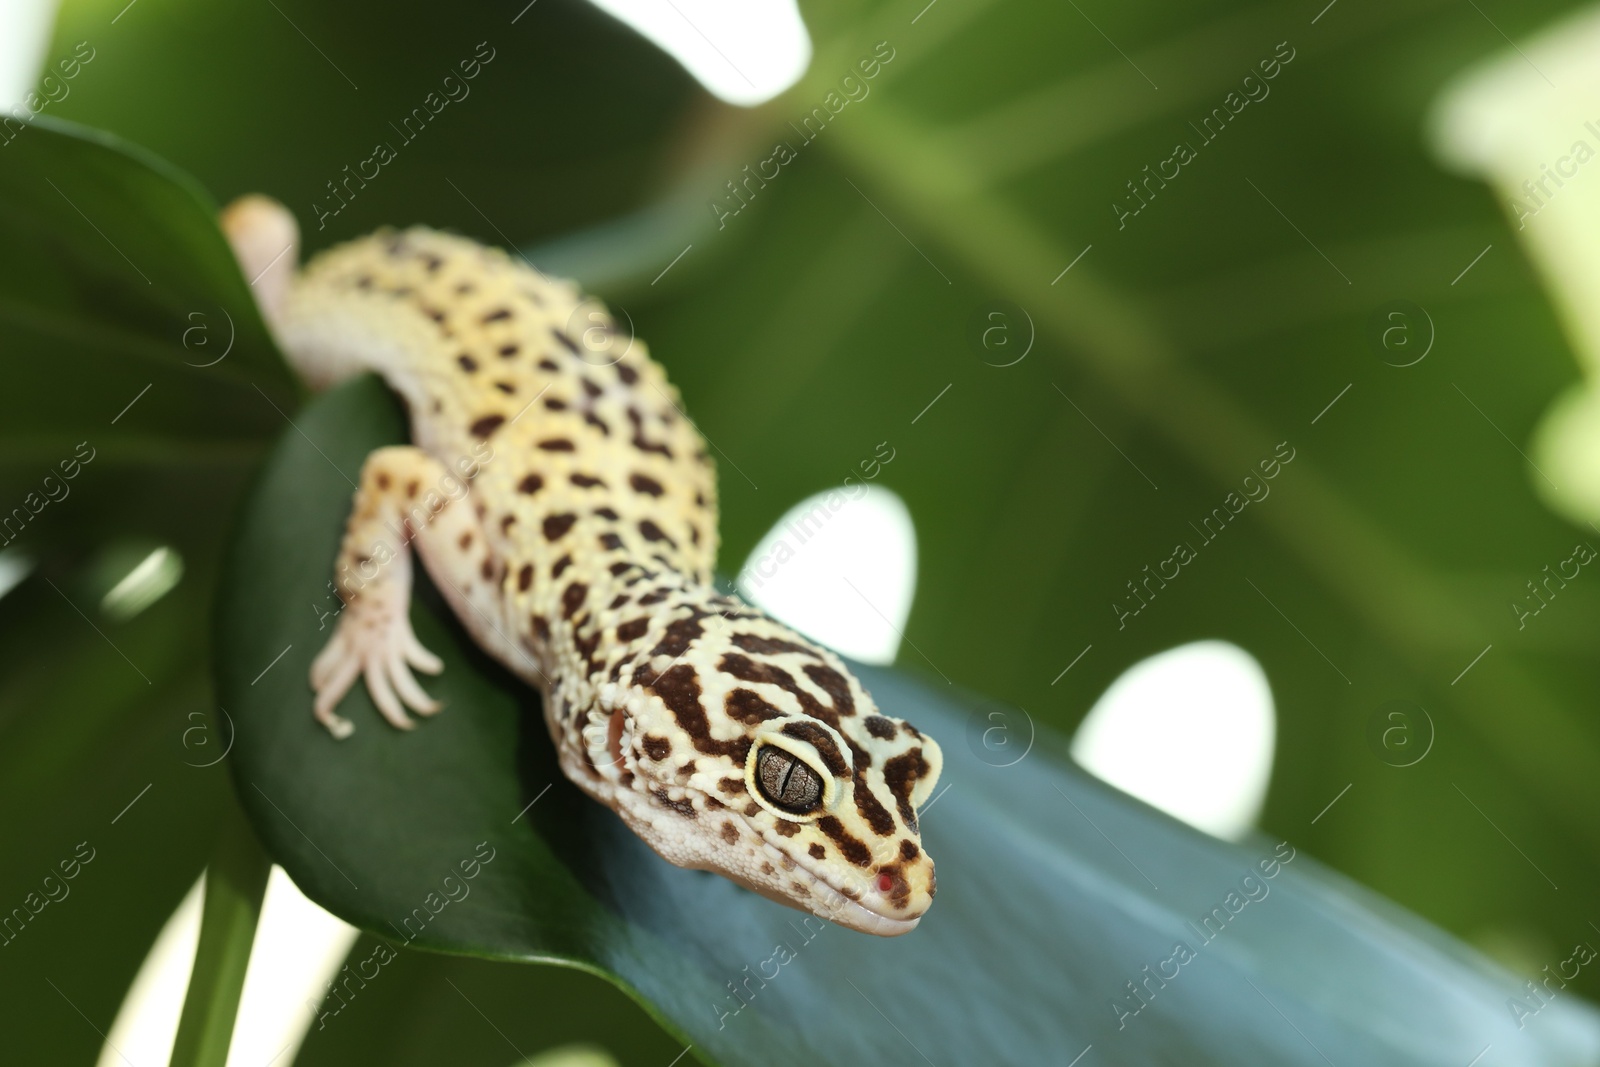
[807,329]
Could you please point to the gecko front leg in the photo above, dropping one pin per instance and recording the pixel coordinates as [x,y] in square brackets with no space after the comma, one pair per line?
[407,499]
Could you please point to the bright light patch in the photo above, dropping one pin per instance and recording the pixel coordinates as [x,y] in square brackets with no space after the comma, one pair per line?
[25,27]
[151,579]
[841,568]
[297,949]
[147,1023]
[1189,731]
[744,53]
[15,565]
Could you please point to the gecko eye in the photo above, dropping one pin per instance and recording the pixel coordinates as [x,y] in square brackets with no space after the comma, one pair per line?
[787,782]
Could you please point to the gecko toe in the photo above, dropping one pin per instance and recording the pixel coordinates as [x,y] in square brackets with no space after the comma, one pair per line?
[414,696]
[382,694]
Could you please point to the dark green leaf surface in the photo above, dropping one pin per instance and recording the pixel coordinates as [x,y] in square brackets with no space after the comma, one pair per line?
[109,736]
[1054,890]
[117,287]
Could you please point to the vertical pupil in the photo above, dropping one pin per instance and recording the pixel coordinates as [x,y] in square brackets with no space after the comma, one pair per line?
[787,781]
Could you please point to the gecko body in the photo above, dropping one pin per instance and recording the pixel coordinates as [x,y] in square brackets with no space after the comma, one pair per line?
[565,507]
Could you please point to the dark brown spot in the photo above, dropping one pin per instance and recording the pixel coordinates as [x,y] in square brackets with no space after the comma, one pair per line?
[730,833]
[506,388]
[383,481]
[555,404]
[639,440]
[607,513]
[786,828]
[510,350]
[748,670]
[487,569]
[411,489]
[557,444]
[633,629]
[572,599]
[468,364]
[875,814]
[531,483]
[589,387]
[627,374]
[586,481]
[505,523]
[525,577]
[652,532]
[766,868]
[556,526]
[645,484]
[619,600]
[909,850]
[487,425]
[465,541]
[597,422]
[566,342]
[852,849]
[731,786]
[747,706]
[652,598]
[879,727]
[679,636]
[679,689]
[610,542]
[832,682]
[769,646]
[901,775]
[549,365]
[541,626]
[817,850]
[498,315]
[560,565]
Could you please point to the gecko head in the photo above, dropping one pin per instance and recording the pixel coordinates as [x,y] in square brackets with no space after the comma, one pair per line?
[811,806]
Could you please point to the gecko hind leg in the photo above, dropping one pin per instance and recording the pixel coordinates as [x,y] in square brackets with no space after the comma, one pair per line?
[407,499]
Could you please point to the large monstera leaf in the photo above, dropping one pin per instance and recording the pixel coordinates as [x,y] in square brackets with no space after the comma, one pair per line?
[1056,892]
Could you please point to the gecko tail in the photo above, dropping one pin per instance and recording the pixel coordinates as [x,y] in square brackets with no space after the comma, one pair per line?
[265,239]
[266,242]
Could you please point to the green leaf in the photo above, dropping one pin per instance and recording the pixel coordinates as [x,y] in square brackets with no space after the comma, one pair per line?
[1056,891]
[126,321]
[115,435]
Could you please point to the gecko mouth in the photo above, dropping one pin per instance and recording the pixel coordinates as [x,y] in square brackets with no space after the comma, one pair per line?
[827,901]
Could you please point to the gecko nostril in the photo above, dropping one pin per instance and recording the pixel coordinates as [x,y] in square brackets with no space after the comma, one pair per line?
[885,882]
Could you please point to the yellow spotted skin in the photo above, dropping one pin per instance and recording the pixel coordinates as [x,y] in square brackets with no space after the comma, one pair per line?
[566,507]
